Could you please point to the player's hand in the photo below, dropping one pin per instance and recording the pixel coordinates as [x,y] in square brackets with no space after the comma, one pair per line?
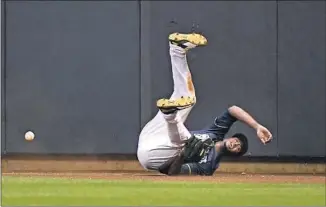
[264,134]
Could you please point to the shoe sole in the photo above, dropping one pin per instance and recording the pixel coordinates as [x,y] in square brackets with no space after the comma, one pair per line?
[181,103]
[194,38]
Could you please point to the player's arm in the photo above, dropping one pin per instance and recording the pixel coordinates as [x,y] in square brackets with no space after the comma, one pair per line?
[243,116]
[240,114]
[221,125]
[173,165]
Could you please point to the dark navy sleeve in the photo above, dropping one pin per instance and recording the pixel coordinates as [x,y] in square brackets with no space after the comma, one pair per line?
[221,124]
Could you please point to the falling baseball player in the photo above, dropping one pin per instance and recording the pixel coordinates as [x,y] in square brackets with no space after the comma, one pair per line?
[167,146]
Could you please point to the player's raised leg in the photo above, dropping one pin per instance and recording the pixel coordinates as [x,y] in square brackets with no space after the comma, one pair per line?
[162,136]
[183,97]
[176,109]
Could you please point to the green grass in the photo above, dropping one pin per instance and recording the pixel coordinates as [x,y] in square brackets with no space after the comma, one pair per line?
[25,191]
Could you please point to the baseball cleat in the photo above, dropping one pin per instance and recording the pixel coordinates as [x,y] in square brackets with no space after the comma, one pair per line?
[170,106]
[187,41]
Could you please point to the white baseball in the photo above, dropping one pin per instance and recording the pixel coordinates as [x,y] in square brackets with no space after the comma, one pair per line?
[29,136]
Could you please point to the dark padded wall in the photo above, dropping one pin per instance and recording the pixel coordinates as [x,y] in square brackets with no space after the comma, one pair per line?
[85,75]
[301,78]
[238,66]
[3,42]
[72,70]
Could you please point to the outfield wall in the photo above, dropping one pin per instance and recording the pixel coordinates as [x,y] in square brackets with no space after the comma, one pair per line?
[84,75]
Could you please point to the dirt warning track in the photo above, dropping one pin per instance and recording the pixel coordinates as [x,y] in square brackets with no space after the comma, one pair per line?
[218,178]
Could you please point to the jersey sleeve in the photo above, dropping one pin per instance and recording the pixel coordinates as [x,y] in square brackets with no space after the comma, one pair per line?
[222,124]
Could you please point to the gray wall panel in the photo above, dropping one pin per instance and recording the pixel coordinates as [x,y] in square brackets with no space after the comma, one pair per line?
[302,78]
[237,67]
[73,76]
[3,42]
[73,67]
[145,60]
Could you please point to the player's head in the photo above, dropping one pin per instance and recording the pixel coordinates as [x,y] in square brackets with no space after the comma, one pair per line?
[237,145]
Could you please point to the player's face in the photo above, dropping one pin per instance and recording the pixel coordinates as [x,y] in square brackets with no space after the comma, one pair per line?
[233,145]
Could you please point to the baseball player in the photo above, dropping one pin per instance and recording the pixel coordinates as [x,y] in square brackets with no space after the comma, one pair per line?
[167,146]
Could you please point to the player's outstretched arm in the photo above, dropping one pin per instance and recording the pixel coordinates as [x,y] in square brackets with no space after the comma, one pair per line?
[262,132]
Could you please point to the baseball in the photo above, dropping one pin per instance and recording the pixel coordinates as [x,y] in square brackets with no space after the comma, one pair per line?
[29,136]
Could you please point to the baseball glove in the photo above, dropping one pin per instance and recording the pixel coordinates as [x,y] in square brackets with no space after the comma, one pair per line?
[196,148]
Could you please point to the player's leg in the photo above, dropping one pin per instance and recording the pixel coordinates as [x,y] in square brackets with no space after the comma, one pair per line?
[176,109]
[168,122]
[183,97]
[179,45]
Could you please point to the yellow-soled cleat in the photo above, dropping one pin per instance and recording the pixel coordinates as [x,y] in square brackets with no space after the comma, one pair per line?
[170,106]
[187,41]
